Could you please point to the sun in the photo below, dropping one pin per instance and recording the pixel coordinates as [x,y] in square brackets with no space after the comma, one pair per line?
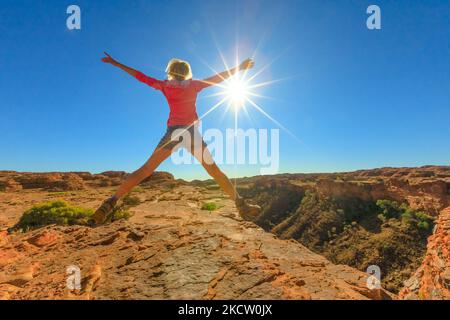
[237,92]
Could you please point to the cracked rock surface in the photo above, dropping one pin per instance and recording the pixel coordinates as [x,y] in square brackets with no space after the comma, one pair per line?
[170,249]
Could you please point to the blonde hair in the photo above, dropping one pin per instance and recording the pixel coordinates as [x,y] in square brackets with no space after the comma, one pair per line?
[178,70]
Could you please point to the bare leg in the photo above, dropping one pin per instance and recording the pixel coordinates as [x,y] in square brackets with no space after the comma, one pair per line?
[101,214]
[246,210]
[205,158]
[158,156]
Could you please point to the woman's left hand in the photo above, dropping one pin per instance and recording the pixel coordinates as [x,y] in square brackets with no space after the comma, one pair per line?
[246,64]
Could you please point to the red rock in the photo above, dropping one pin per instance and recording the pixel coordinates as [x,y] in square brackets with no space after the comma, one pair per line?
[3,237]
[43,239]
[159,176]
[114,174]
[10,185]
[432,281]
[193,257]
[8,256]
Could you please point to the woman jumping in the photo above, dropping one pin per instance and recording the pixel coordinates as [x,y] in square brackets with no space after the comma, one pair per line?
[181,92]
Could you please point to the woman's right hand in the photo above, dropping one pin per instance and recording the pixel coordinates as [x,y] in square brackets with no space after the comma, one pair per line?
[108,59]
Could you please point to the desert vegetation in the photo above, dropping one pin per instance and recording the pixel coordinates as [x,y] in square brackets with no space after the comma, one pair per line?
[210,206]
[59,212]
[131,200]
[347,229]
[53,212]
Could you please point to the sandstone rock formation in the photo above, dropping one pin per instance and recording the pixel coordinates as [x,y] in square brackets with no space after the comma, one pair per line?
[337,216]
[171,249]
[432,280]
[68,181]
[425,188]
[10,185]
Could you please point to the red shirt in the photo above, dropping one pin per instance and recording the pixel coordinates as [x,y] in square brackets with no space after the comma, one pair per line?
[181,97]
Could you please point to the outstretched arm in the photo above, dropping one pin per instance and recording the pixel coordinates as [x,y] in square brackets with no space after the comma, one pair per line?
[218,78]
[152,82]
[109,59]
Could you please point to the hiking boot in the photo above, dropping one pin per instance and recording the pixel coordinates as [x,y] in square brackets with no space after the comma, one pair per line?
[247,211]
[104,212]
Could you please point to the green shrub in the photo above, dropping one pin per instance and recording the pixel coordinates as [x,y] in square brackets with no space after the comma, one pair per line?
[407,216]
[390,209]
[421,216]
[382,218]
[130,200]
[138,189]
[210,206]
[423,225]
[60,213]
[120,212]
[54,212]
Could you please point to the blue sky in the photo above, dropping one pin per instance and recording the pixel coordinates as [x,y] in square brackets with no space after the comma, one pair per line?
[356,98]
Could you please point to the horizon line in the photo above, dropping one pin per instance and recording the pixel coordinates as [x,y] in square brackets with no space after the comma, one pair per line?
[243,176]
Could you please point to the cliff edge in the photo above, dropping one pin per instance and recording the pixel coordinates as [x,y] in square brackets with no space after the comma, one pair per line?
[169,249]
[432,279]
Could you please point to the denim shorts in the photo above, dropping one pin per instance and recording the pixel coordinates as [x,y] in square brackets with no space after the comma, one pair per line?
[178,136]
